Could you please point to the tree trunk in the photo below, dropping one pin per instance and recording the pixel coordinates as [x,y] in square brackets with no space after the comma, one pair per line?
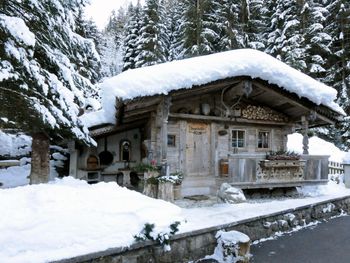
[40,170]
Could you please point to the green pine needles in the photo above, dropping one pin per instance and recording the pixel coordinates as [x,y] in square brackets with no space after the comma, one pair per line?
[163,239]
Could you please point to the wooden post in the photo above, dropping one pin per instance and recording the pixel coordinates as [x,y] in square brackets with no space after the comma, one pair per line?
[73,159]
[162,132]
[40,170]
[305,124]
[213,147]
[182,146]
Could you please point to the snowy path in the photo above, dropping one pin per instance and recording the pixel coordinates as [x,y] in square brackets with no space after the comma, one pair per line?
[219,214]
[68,217]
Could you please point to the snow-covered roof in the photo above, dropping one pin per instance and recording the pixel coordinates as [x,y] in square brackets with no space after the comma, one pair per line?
[167,77]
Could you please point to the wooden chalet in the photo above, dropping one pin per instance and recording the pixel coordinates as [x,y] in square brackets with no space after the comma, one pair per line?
[217,132]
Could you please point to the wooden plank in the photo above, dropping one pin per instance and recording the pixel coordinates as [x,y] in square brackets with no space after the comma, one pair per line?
[182,146]
[223,119]
[129,114]
[140,117]
[111,129]
[213,143]
[142,103]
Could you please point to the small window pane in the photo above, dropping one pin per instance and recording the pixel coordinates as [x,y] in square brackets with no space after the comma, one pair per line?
[171,140]
[263,140]
[238,139]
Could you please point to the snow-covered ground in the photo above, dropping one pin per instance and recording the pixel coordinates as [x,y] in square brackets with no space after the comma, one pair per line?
[69,217]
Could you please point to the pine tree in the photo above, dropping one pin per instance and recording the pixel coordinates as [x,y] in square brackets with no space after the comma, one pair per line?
[174,28]
[284,37]
[46,72]
[200,35]
[132,35]
[152,49]
[338,67]
[110,45]
[317,41]
[256,24]
[227,12]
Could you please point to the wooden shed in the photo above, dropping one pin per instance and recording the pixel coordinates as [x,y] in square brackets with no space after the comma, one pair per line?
[215,132]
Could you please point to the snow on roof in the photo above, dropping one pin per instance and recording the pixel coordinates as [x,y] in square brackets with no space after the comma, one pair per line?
[166,77]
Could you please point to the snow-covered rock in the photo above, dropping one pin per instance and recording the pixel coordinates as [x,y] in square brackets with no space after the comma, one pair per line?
[232,246]
[231,195]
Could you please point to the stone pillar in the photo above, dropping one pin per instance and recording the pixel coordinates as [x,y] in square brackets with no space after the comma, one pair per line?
[347,174]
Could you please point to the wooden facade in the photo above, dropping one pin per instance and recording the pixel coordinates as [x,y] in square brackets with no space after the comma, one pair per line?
[214,133]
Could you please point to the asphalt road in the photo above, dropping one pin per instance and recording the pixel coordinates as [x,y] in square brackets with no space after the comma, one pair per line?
[328,242]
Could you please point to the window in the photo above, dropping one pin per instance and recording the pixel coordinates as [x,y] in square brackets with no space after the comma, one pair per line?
[238,139]
[171,140]
[125,150]
[263,140]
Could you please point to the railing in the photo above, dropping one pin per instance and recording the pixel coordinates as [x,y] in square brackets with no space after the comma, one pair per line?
[335,168]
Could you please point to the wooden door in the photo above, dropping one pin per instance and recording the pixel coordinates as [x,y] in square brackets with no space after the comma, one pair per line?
[198,150]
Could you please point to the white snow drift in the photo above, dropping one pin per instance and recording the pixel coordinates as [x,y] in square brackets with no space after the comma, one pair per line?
[317,146]
[41,223]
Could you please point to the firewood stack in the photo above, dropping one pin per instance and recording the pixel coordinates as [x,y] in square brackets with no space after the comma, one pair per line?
[252,112]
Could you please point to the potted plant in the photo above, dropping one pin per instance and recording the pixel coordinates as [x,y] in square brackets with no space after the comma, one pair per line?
[150,175]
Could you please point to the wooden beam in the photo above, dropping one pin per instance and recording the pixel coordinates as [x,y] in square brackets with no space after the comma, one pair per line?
[141,103]
[111,129]
[207,88]
[224,119]
[128,114]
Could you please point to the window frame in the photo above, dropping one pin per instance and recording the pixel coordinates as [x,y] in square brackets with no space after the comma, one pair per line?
[174,144]
[121,146]
[237,139]
[268,140]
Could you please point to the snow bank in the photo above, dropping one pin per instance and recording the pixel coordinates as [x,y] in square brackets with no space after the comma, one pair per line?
[163,78]
[14,176]
[46,222]
[317,146]
[14,144]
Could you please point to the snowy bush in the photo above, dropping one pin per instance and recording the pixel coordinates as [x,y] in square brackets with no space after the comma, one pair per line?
[148,233]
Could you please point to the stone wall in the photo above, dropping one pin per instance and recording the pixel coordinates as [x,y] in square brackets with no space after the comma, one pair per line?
[197,244]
